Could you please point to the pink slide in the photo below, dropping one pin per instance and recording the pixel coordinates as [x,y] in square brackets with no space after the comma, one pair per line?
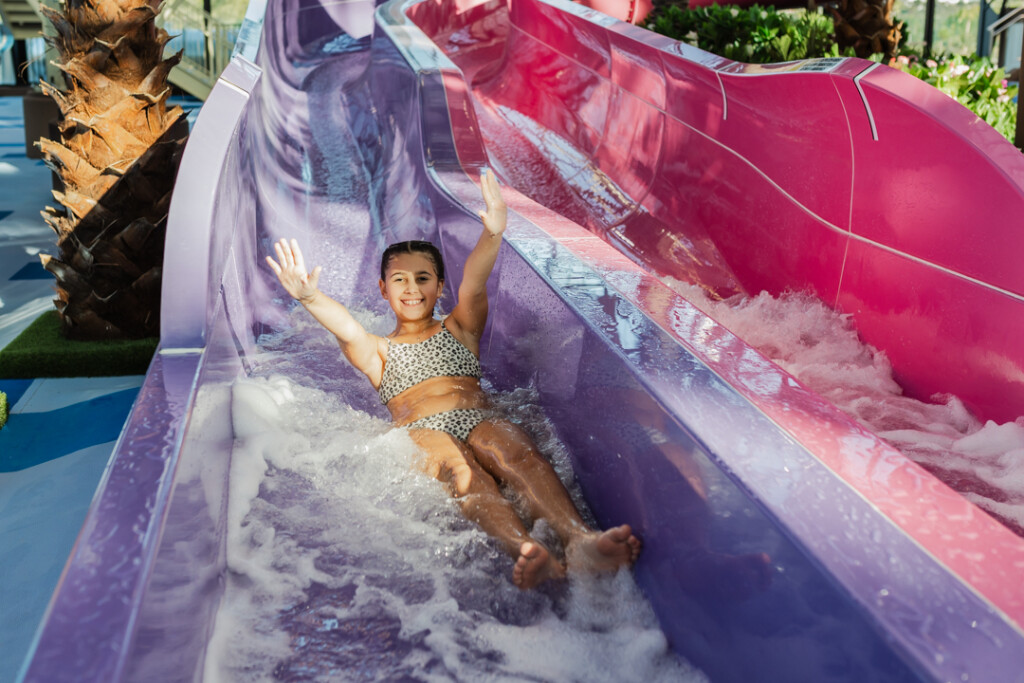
[846,179]
[849,179]
[253,522]
[632,11]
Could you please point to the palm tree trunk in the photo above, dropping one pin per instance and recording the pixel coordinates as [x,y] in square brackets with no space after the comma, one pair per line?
[117,156]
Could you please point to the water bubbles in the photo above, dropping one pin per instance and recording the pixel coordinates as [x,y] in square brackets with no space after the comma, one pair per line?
[822,349]
[345,563]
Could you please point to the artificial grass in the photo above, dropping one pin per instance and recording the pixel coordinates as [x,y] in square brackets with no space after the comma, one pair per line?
[41,351]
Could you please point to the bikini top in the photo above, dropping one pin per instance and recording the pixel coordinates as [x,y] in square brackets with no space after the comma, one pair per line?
[440,355]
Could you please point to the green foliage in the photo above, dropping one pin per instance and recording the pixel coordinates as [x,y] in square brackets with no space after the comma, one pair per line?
[755,35]
[974,82]
[3,409]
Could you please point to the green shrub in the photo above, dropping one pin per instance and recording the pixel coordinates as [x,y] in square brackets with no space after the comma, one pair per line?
[755,35]
[974,82]
[3,409]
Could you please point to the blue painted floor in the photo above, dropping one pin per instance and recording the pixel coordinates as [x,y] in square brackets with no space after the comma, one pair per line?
[60,433]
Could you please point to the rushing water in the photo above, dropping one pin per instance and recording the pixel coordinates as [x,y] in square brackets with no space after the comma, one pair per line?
[345,563]
[821,348]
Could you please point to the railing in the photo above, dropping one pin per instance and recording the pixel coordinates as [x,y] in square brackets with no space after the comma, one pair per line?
[207,45]
[21,18]
[1008,28]
[6,37]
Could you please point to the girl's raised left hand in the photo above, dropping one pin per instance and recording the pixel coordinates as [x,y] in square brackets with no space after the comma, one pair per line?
[495,216]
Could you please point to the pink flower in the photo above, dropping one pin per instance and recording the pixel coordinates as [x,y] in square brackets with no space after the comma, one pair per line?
[904,60]
[931,63]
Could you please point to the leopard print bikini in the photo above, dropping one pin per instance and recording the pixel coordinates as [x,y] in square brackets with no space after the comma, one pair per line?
[459,422]
[440,355]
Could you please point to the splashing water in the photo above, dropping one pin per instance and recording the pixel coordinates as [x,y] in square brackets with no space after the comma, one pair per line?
[346,564]
[821,348]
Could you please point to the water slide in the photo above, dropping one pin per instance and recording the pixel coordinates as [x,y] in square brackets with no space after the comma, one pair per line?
[783,540]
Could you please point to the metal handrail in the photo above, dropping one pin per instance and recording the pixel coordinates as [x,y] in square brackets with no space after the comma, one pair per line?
[6,37]
[34,4]
[207,42]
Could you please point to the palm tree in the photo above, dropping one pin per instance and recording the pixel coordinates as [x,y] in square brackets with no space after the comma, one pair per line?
[867,26]
[117,155]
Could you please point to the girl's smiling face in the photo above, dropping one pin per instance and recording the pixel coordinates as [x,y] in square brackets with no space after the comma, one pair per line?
[411,286]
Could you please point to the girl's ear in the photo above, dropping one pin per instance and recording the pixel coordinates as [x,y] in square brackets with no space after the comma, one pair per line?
[383,289]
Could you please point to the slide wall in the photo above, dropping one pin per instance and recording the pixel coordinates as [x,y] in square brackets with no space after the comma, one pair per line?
[875,570]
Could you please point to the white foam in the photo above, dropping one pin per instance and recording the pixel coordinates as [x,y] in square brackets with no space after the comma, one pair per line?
[821,348]
[345,560]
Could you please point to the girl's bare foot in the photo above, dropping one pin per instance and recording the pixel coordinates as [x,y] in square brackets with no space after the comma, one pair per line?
[604,550]
[534,566]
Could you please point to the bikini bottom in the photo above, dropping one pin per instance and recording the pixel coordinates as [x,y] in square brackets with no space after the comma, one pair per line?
[459,422]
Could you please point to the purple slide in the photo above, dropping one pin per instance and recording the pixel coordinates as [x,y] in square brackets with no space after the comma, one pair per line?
[783,540]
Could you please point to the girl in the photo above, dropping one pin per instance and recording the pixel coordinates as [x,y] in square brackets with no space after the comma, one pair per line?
[428,375]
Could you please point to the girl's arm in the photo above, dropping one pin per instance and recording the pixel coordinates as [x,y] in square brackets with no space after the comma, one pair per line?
[358,345]
[470,312]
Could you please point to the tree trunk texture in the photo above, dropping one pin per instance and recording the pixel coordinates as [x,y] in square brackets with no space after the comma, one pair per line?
[867,26]
[117,156]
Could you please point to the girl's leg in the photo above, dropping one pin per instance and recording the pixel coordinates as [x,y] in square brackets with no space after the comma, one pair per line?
[507,452]
[477,493]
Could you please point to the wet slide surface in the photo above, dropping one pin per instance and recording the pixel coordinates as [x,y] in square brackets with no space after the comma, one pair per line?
[609,132]
[343,561]
[260,521]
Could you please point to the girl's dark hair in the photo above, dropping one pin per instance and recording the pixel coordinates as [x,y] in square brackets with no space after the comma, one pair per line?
[412,247]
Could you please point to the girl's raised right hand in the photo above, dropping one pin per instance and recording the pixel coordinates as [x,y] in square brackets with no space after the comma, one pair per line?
[494,217]
[291,271]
